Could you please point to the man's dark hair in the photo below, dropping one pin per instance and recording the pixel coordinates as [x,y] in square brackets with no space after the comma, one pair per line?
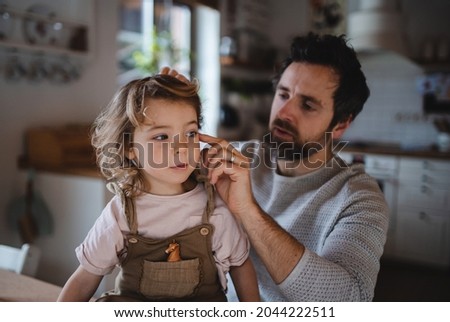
[332,51]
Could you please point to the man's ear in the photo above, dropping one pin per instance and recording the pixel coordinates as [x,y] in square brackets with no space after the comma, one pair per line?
[339,129]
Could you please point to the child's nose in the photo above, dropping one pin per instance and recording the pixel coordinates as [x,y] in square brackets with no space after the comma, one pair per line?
[177,145]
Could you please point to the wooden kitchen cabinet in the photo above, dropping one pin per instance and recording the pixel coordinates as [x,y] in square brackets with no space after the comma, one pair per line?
[422,236]
[417,191]
[423,212]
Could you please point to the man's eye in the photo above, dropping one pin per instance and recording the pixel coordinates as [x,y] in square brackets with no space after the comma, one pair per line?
[160,137]
[307,107]
[283,96]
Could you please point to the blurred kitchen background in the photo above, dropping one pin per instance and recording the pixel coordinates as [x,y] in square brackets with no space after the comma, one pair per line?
[61,62]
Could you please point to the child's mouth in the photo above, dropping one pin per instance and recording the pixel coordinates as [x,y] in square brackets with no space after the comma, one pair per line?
[180,166]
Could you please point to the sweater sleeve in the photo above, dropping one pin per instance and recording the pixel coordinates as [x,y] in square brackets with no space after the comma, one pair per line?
[345,268]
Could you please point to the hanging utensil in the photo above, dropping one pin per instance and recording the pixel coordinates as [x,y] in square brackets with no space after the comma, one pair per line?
[27,225]
[29,214]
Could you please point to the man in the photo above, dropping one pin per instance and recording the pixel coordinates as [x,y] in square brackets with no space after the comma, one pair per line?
[317,226]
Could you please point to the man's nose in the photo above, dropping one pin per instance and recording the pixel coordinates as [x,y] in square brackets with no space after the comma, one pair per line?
[286,110]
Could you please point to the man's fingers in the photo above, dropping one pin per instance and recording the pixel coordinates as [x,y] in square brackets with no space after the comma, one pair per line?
[215,156]
[221,151]
[182,78]
[208,138]
[165,70]
[173,72]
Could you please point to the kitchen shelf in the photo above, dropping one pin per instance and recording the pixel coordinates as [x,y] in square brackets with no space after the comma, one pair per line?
[38,44]
[436,67]
[82,170]
[72,38]
[433,66]
[15,46]
[41,17]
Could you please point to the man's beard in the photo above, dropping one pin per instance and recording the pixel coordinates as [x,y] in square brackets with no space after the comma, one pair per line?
[290,150]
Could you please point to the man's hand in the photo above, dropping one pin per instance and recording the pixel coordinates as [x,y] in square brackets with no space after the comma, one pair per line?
[172,72]
[228,170]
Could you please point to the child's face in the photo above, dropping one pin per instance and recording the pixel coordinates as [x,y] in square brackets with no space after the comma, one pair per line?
[166,145]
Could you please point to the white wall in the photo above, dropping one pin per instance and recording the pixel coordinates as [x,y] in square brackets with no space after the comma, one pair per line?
[74,202]
[394,112]
[23,104]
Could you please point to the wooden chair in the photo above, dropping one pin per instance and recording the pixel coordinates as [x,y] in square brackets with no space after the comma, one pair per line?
[23,260]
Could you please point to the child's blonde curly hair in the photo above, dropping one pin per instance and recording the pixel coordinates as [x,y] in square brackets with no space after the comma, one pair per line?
[112,131]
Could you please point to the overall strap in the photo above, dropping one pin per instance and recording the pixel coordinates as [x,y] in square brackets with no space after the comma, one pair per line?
[128,206]
[210,204]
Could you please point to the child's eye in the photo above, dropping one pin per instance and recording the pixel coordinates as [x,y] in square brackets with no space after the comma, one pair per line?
[160,137]
[191,134]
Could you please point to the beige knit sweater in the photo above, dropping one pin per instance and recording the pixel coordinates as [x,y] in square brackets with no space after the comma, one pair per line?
[339,213]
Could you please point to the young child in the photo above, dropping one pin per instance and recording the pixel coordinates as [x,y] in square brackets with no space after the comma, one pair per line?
[173,239]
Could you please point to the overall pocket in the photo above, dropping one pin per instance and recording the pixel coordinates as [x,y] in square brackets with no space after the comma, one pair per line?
[170,279]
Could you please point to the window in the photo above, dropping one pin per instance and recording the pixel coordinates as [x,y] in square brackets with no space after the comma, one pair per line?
[153,33]
[193,32]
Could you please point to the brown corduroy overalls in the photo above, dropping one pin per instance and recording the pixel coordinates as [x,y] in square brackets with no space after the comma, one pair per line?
[146,275]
